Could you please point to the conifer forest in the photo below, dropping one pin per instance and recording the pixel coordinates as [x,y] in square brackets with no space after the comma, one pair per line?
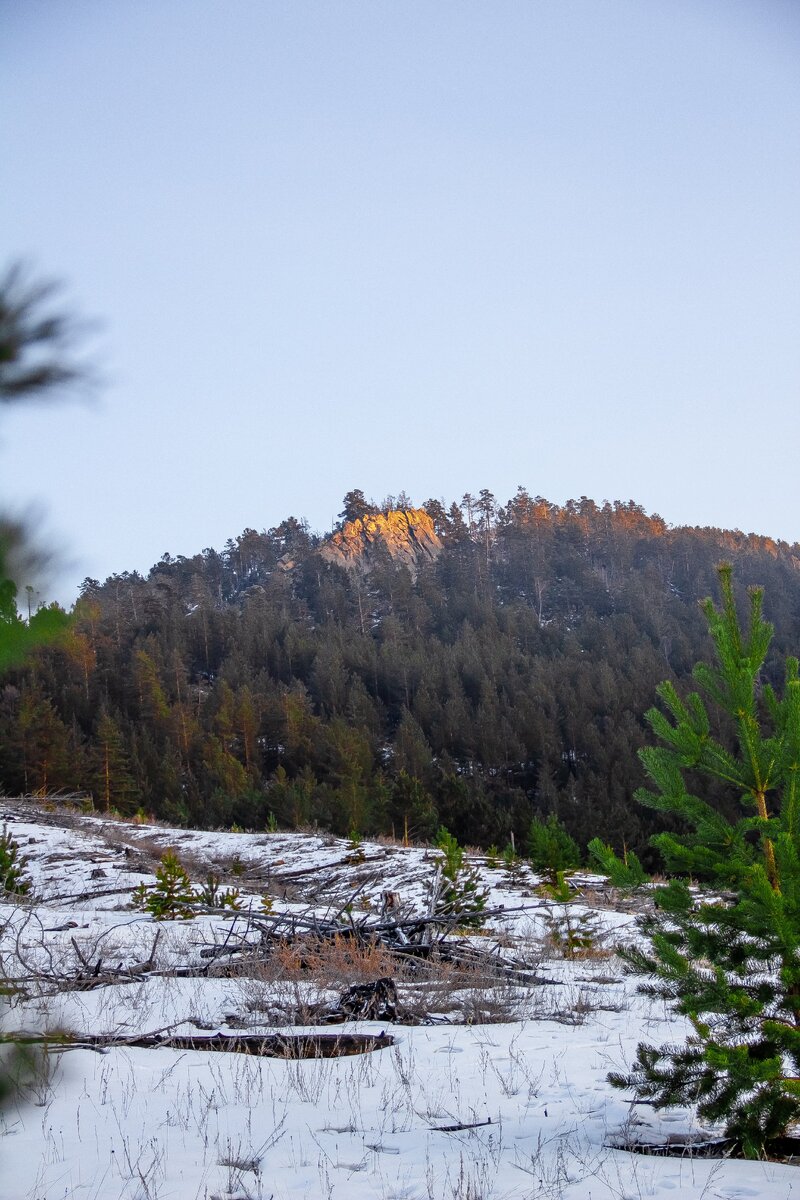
[504,678]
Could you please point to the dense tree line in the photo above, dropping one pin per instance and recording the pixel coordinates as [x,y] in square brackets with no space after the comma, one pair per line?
[508,679]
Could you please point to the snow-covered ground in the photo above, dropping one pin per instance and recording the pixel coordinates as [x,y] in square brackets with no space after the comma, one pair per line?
[501,1094]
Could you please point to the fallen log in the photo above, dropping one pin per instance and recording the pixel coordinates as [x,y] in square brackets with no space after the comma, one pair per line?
[274,1045]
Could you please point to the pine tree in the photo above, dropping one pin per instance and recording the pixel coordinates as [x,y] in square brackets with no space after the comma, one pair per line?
[456,889]
[729,958]
[550,848]
[172,896]
[44,743]
[13,876]
[625,872]
[37,341]
[356,505]
[33,362]
[113,782]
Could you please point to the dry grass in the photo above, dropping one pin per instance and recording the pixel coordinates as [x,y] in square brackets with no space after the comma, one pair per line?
[330,962]
[301,982]
[472,994]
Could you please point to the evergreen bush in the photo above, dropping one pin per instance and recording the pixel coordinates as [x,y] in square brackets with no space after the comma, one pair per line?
[212,895]
[457,887]
[625,872]
[355,849]
[550,847]
[510,858]
[172,896]
[728,958]
[13,878]
[572,932]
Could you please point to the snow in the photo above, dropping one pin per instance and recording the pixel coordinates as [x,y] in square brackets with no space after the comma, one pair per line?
[168,1124]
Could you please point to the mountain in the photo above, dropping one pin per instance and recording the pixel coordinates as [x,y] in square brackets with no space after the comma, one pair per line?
[468,666]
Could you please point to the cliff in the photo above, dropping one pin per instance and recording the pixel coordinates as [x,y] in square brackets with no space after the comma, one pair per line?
[407,535]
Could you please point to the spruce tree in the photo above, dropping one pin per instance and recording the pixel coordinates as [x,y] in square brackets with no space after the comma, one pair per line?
[727,956]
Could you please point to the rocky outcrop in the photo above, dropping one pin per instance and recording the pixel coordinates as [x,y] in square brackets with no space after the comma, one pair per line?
[407,535]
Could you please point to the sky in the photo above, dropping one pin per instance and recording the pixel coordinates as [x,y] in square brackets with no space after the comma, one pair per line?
[429,246]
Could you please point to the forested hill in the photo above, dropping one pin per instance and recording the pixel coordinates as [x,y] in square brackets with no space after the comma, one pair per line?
[471,667]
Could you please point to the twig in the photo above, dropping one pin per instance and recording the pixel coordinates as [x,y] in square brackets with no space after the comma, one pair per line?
[457,1128]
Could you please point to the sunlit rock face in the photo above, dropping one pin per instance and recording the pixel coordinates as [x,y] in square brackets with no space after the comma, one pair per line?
[407,535]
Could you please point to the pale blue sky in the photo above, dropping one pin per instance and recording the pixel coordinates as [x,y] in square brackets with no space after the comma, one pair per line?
[424,245]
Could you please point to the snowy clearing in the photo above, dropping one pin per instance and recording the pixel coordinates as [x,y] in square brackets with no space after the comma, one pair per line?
[495,1089]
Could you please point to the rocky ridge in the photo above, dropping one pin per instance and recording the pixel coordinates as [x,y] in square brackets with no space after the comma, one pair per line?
[407,535]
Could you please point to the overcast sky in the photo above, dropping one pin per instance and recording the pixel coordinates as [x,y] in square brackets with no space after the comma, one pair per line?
[431,245]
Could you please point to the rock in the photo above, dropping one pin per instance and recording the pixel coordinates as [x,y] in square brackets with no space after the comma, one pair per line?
[407,535]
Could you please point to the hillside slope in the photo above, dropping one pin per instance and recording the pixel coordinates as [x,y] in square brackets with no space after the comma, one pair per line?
[480,665]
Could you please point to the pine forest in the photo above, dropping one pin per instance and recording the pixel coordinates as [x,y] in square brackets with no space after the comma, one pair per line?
[471,666]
